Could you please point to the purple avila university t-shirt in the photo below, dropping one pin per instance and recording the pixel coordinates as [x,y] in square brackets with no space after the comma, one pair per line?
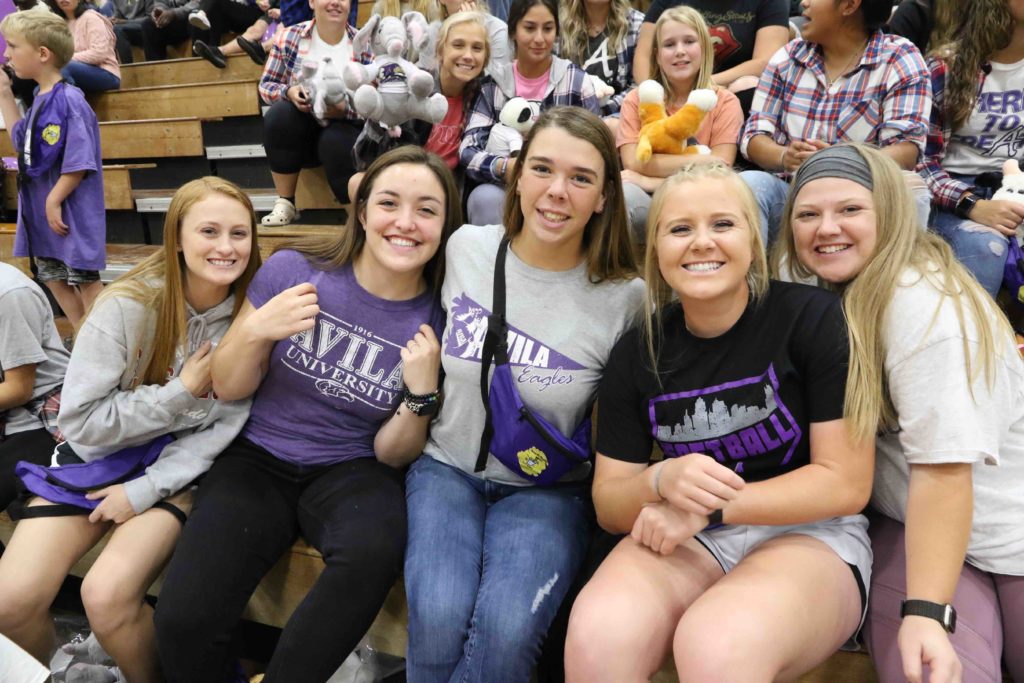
[328,390]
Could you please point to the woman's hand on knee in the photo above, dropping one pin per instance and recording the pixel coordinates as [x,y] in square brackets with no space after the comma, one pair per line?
[698,484]
[662,527]
[924,641]
[114,505]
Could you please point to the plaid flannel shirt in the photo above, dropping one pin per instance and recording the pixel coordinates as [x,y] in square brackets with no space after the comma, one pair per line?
[569,87]
[284,64]
[946,191]
[885,100]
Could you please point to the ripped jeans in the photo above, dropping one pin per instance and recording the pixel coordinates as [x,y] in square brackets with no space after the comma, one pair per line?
[981,249]
[486,568]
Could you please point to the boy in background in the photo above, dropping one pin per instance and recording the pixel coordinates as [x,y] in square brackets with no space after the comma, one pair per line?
[61,218]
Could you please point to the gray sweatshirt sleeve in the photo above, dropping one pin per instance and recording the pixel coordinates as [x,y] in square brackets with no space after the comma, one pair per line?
[95,412]
[187,457]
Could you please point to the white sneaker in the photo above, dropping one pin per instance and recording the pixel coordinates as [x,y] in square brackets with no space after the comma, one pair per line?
[283,214]
[199,20]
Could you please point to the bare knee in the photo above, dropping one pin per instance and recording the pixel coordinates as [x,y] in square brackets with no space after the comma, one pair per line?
[21,601]
[602,644]
[108,603]
[719,650]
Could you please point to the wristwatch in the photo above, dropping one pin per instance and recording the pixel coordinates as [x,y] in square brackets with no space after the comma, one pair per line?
[944,614]
[422,405]
[966,204]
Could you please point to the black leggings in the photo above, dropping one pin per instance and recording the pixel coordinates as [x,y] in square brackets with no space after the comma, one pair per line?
[34,445]
[248,511]
[294,140]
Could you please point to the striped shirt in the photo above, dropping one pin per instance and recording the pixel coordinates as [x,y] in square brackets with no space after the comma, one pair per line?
[884,100]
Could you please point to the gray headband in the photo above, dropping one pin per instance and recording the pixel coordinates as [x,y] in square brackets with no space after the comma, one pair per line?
[838,161]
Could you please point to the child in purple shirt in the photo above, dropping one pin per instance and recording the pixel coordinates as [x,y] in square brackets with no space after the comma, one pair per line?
[61,218]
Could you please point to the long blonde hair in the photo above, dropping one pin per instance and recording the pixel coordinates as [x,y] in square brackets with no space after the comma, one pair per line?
[574,41]
[692,18]
[158,281]
[659,294]
[901,245]
[393,8]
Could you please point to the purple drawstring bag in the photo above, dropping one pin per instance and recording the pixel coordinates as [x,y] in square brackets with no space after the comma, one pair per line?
[68,484]
[1013,271]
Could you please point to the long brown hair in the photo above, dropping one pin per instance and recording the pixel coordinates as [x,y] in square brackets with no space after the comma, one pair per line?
[901,245]
[986,28]
[574,41]
[607,247]
[158,282]
[328,253]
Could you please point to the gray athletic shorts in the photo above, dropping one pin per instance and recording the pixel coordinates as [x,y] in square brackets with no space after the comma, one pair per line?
[50,269]
[846,536]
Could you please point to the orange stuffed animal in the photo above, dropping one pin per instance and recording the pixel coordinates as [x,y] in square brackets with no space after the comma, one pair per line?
[669,134]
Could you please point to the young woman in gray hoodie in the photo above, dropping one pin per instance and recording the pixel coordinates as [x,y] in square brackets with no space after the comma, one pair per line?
[140,370]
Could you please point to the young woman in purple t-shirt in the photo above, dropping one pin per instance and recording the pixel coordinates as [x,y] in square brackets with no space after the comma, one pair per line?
[337,344]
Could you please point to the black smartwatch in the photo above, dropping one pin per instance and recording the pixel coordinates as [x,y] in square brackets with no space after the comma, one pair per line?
[966,204]
[422,405]
[944,614]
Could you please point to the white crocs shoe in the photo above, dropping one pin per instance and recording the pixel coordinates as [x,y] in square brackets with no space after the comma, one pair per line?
[199,20]
[283,214]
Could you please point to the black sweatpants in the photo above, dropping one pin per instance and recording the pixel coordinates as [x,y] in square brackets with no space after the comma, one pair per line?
[294,140]
[248,511]
[34,445]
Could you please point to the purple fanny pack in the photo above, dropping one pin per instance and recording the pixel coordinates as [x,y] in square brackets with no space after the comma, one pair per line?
[68,484]
[522,441]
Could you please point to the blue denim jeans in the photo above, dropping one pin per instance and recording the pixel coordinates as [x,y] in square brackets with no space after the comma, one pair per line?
[770,191]
[979,248]
[89,77]
[486,568]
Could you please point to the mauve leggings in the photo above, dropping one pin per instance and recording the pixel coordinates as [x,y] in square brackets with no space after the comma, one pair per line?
[989,608]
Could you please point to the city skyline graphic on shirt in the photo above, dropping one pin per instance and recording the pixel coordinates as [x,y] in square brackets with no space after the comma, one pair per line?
[732,422]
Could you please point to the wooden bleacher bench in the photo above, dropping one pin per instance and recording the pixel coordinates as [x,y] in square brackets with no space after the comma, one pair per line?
[202,100]
[187,71]
[176,137]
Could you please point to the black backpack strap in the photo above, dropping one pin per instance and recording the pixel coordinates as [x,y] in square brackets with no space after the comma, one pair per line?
[495,347]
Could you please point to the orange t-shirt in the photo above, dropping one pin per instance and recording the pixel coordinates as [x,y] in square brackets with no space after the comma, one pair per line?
[721,125]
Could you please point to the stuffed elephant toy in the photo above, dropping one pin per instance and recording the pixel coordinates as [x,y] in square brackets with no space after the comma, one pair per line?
[323,84]
[403,91]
